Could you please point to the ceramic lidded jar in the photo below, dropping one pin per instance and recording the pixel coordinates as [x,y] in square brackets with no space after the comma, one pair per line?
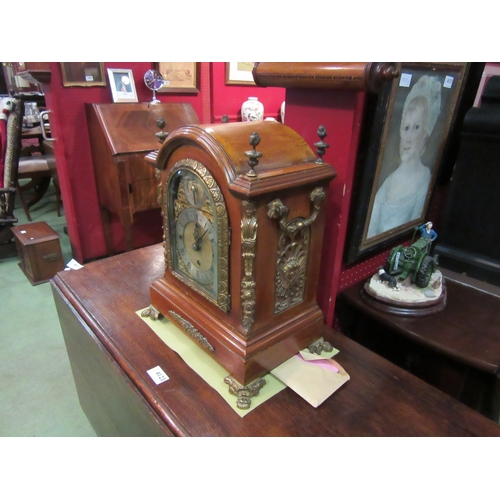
[252,110]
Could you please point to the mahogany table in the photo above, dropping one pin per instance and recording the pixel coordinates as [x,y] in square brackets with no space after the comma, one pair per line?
[456,349]
[111,348]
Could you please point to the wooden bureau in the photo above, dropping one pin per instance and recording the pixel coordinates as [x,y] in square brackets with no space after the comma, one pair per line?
[110,349]
[120,137]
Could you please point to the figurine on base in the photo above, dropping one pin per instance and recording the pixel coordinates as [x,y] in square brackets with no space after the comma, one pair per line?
[409,282]
[387,278]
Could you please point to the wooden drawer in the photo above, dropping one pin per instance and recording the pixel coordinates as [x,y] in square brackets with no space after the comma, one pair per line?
[39,251]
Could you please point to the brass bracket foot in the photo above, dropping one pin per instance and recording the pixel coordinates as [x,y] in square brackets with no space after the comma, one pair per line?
[151,312]
[319,346]
[244,392]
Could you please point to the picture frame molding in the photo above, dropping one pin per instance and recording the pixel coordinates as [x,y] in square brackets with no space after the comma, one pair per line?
[378,118]
[234,76]
[193,86]
[68,82]
[115,93]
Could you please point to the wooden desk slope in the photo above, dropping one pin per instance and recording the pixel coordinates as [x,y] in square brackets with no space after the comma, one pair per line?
[120,136]
[110,349]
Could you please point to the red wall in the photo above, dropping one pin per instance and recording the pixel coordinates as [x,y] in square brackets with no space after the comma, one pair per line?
[341,114]
[72,148]
[227,99]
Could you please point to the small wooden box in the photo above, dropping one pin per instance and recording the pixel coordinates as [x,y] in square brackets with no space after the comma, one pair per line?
[39,250]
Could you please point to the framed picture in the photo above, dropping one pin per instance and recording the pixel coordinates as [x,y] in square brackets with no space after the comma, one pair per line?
[122,85]
[179,77]
[398,164]
[83,74]
[239,73]
[490,69]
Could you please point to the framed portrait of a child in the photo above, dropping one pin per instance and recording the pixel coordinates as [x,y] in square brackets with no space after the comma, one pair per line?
[399,166]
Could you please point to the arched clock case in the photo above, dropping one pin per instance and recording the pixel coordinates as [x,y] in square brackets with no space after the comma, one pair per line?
[243,207]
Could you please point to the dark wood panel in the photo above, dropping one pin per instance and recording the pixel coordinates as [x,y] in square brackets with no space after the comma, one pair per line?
[97,377]
[456,350]
[466,330]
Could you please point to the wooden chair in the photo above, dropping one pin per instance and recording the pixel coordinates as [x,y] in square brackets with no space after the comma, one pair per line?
[32,165]
[8,191]
[48,148]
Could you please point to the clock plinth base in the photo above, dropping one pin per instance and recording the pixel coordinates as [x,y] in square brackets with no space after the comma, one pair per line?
[245,357]
[151,312]
[244,392]
[319,346]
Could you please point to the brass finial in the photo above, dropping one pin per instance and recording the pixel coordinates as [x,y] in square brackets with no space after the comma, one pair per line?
[253,156]
[321,146]
[160,123]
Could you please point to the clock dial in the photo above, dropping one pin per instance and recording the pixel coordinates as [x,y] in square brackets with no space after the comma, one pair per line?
[198,231]
[153,79]
[196,245]
[194,189]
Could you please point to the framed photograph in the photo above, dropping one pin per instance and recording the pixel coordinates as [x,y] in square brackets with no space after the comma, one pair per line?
[398,164]
[83,74]
[490,69]
[122,85]
[179,77]
[239,73]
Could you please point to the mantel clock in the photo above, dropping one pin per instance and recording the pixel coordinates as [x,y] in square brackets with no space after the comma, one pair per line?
[243,207]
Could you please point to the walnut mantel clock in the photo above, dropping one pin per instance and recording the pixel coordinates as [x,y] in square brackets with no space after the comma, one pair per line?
[243,227]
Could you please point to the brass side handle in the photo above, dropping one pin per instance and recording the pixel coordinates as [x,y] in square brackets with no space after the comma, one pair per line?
[45,115]
[276,210]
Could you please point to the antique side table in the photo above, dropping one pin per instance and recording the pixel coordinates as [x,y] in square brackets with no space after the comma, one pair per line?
[457,349]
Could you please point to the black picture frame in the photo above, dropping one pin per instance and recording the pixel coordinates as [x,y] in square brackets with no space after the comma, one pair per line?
[379,152]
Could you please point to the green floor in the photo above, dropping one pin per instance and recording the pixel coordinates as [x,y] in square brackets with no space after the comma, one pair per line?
[37,392]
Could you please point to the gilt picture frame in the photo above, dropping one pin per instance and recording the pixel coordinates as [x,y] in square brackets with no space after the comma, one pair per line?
[395,175]
[239,73]
[121,82]
[83,74]
[179,77]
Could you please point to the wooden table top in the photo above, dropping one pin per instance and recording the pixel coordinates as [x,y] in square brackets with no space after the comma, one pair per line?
[34,132]
[379,400]
[467,329]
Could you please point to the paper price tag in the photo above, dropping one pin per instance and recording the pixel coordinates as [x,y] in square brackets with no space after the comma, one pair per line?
[158,375]
[73,264]
[405,80]
[448,82]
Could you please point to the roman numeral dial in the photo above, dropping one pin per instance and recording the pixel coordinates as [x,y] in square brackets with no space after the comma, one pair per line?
[196,245]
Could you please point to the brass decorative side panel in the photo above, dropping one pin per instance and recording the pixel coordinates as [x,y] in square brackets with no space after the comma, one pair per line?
[248,243]
[293,252]
[192,331]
